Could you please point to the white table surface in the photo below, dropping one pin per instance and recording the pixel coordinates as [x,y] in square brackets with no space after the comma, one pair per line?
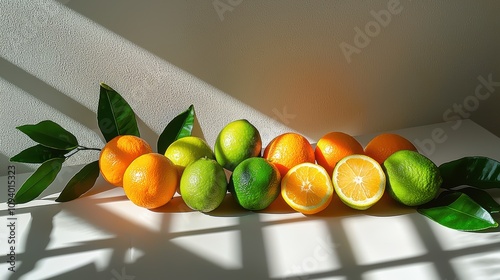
[104,236]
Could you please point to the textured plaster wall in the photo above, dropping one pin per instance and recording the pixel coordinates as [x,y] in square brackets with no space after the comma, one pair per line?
[309,66]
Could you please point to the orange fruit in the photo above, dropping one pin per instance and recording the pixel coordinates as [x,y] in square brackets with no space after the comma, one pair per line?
[150,180]
[334,146]
[287,150]
[386,144]
[307,188]
[359,181]
[117,154]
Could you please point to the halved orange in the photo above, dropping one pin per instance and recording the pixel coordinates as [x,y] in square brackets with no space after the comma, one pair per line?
[307,188]
[359,181]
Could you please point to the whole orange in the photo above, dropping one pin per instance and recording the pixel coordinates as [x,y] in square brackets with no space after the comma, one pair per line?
[117,154]
[385,144]
[150,180]
[333,147]
[288,150]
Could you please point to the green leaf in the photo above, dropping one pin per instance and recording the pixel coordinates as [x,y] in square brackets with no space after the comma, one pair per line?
[479,172]
[50,134]
[483,198]
[458,211]
[39,180]
[114,115]
[83,181]
[180,126]
[38,154]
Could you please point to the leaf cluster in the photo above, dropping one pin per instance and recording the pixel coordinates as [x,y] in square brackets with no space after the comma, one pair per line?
[55,145]
[464,204]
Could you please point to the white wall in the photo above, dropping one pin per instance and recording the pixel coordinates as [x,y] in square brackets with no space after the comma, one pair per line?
[279,64]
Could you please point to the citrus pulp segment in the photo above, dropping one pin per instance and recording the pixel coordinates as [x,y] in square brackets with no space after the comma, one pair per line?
[359,181]
[307,188]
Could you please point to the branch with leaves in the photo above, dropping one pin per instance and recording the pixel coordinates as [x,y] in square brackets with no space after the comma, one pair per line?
[463,204]
[55,145]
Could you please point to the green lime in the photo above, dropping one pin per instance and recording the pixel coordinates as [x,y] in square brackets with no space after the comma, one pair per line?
[412,178]
[186,150]
[237,141]
[203,185]
[255,183]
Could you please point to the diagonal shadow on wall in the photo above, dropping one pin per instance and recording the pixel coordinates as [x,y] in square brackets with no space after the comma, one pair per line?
[59,101]
[47,94]
[55,98]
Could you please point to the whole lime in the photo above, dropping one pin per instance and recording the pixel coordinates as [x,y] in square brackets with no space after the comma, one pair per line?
[186,150]
[255,183]
[412,178]
[203,185]
[237,141]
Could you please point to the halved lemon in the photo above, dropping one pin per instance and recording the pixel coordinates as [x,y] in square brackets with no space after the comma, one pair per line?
[359,181]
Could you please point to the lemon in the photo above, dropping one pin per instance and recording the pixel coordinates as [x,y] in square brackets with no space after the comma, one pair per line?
[203,185]
[412,178]
[237,141]
[359,181]
[186,150]
[255,183]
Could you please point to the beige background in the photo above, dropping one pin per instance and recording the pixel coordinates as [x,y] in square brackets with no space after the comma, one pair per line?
[279,64]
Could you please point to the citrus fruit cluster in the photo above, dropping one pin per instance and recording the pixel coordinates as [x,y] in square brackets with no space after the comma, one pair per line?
[306,177]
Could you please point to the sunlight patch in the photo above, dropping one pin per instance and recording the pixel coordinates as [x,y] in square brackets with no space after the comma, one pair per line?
[139,217]
[133,254]
[478,266]
[417,271]
[301,254]
[451,239]
[221,248]
[382,239]
[189,221]
[69,229]
[89,263]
